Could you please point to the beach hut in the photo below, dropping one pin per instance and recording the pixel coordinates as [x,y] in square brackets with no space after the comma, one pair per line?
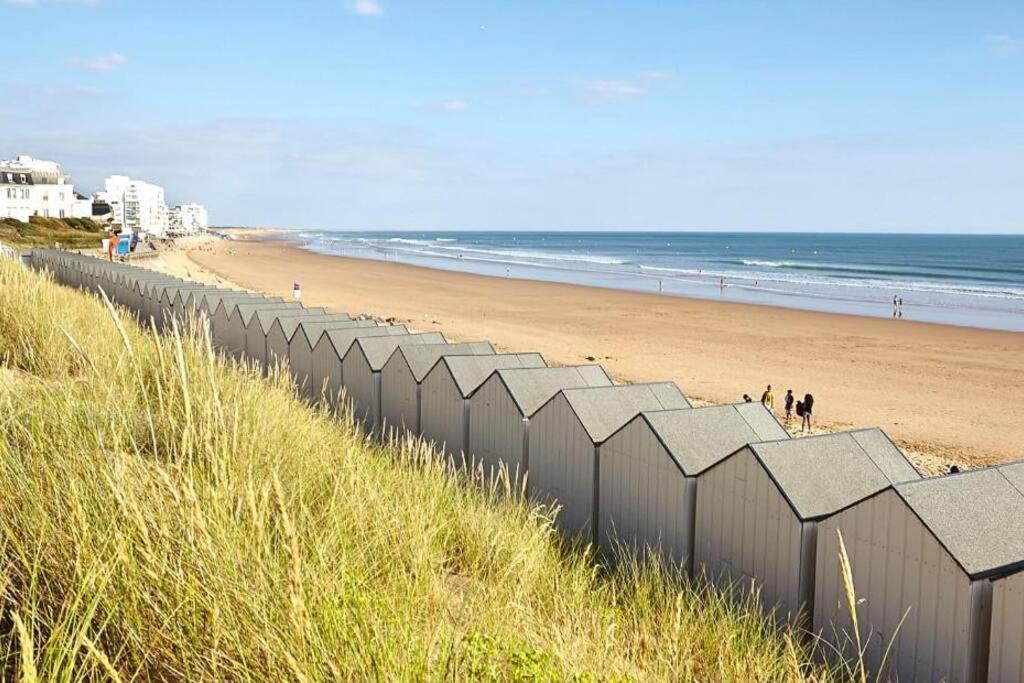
[936,567]
[361,368]
[564,439]
[151,294]
[186,302]
[447,388]
[227,337]
[647,473]
[759,509]
[500,410]
[401,376]
[303,341]
[325,369]
[168,306]
[259,327]
[279,337]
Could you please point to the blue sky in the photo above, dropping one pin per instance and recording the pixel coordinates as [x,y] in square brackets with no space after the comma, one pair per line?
[402,114]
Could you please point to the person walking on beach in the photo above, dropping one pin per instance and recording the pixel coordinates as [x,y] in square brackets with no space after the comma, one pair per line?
[895,306]
[768,399]
[115,239]
[899,306]
[805,425]
[789,405]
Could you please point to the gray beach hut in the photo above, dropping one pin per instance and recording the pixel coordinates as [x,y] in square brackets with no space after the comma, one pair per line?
[565,437]
[258,329]
[944,557]
[500,411]
[241,315]
[447,388]
[303,341]
[222,307]
[326,374]
[361,371]
[279,337]
[401,376]
[647,483]
[758,510]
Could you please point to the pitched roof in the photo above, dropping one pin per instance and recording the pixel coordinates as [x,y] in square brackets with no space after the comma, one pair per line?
[701,437]
[314,328]
[247,309]
[469,372]
[821,475]
[530,388]
[420,359]
[977,516]
[378,350]
[342,339]
[602,410]
[266,316]
[289,323]
[226,297]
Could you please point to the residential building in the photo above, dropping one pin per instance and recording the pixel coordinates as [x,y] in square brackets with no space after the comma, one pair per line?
[135,204]
[187,219]
[33,187]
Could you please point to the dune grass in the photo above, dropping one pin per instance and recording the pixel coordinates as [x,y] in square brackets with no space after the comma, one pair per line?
[165,515]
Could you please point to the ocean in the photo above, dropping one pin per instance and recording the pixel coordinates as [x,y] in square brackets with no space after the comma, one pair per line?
[953,279]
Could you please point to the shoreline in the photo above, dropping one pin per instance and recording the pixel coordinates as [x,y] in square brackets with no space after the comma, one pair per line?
[936,389]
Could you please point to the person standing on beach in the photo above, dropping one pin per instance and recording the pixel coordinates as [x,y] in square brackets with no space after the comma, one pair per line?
[899,307]
[895,306]
[805,425]
[789,405]
[768,399]
[115,239]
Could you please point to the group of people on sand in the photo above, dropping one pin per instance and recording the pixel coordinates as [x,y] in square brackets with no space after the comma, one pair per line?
[804,409]
[897,307]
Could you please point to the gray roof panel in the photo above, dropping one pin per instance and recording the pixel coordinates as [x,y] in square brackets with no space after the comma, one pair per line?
[266,316]
[420,359]
[700,438]
[343,338]
[821,475]
[469,372]
[531,388]
[290,323]
[378,350]
[246,310]
[603,410]
[977,516]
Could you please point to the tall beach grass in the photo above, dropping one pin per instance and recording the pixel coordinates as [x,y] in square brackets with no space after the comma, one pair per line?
[165,515]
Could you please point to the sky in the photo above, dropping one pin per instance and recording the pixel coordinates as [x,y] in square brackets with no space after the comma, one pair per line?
[428,114]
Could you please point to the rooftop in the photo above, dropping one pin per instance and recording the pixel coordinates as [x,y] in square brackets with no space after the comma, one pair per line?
[469,372]
[602,410]
[531,388]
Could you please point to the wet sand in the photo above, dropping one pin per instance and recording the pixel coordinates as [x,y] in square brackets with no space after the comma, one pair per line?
[946,394]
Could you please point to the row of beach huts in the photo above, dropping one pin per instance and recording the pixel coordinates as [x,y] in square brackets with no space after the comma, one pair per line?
[937,563]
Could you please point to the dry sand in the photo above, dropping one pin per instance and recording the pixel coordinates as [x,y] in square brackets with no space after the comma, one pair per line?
[945,394]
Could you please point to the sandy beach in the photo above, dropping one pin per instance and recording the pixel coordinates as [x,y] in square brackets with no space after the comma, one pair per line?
[945,394]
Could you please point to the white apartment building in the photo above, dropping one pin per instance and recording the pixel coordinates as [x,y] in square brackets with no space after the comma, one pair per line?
[33,187]
[187,219]
[136,205]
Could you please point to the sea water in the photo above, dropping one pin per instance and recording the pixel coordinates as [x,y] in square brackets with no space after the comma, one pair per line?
[975,280]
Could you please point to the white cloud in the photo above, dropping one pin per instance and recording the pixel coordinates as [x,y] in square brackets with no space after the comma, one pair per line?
[602,90]
[445,105]
[1001,44]
[367,8]
[103,63]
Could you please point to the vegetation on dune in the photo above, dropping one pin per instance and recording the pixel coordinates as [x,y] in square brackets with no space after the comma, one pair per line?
[166,515]
[72,233]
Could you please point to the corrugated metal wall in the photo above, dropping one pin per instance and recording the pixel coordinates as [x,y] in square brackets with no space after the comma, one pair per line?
[399,396]
[496,428]
[1006,659]
[442,411]
[561,464]
[746,532]
[644,499]
[359,385]
[897,566]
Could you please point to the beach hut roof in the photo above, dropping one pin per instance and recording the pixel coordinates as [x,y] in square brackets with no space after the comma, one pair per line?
[377,350]
[469,372]
[267,316]
[822,475]
[215,300]
[977,516]
[702,437]
[247,309]
[603,410]
[422,358]
[531,388]
[342,339]
[290,323]
[315,327]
